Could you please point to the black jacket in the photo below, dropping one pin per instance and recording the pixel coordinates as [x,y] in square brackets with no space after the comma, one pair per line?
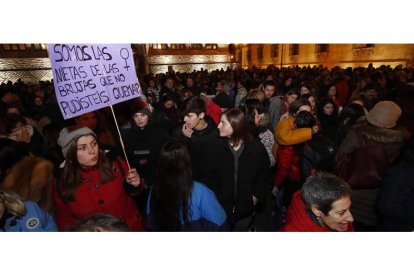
[202,147]
[396,197]
[143,147]
[253,178]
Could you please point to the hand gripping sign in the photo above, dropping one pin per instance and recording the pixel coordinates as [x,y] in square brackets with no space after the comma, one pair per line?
[88,77]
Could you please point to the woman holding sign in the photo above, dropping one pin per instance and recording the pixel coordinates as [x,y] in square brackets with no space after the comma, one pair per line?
[92,182]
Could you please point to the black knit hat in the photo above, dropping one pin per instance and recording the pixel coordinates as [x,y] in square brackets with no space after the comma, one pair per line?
[223,100]
[140,107]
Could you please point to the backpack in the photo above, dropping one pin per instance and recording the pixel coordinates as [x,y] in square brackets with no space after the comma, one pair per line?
[318,155]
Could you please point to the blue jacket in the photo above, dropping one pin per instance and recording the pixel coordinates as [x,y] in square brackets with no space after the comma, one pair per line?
[34,220]
[206,213]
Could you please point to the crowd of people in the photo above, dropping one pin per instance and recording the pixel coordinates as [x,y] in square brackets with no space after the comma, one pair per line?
[275,149]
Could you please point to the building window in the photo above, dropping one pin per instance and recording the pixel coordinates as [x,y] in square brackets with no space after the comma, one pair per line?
[38,46]
[239,56]
[322,48]
[363,46]
[6,47]
[248,55]
[274,50]
[293,49]
[260,52]
[363,49]
[159,46]
[211,46]
[16,47]
[178,46]
[197,46]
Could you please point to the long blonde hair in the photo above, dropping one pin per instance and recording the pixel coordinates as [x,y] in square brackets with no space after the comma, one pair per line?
[13,203]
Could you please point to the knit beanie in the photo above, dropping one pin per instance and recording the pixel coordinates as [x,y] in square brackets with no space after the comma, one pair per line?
[384,114]
[140,107]
[66,137]
[222,100]
[145,111]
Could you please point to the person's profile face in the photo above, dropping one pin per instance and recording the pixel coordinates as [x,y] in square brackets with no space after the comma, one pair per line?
[339,216]
[224,127]
[192,120]
[312,102]
[291,98]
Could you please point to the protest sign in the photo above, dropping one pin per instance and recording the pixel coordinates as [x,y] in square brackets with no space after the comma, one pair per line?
[88,77]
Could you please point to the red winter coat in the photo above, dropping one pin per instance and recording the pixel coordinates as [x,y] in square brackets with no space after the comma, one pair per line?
[287,162]
[298,220]
[92,197]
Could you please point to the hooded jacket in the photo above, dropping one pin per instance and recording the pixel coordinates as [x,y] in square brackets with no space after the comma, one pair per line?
[34,220]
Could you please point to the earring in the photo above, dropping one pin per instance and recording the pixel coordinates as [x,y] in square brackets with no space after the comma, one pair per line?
[319,220]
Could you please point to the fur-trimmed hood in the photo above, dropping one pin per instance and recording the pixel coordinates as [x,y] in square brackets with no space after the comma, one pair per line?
[379,134]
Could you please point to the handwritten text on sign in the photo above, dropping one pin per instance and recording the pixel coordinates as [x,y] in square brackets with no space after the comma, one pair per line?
[93,76]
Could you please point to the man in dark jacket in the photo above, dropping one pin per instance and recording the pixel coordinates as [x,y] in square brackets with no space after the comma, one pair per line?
[201,136]
[189,83]
[380,141]
[169,89]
